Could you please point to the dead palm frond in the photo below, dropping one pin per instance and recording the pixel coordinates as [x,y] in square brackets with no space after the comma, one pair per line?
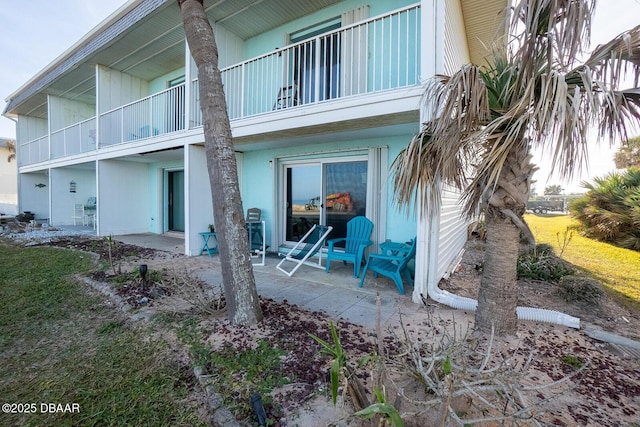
[532,95]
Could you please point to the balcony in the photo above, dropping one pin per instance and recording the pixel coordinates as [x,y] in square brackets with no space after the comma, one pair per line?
[372,56]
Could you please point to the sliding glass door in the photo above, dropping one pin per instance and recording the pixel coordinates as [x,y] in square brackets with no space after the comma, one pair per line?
[303,196]
[327,192]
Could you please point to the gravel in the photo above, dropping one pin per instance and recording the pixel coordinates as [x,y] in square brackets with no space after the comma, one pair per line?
[43,235]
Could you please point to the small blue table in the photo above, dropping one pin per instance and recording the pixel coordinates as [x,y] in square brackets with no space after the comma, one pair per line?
[213,249]
[394,248]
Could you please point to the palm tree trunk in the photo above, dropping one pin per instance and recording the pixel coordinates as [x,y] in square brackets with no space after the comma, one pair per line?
[237,272]
[498,296]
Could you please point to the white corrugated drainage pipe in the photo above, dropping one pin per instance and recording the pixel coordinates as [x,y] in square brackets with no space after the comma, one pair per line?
[429,231]
[524,313]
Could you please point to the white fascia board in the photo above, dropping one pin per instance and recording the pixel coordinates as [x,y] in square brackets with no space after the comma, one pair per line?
[397,101]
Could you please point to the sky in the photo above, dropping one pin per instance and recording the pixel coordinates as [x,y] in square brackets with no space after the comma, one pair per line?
[38,31]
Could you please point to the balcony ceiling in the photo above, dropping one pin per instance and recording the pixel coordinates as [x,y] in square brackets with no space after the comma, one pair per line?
[145,38]
[146,45]
[484,21]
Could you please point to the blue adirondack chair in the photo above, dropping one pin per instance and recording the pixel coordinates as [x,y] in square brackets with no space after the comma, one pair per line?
[392,266]
[358,238]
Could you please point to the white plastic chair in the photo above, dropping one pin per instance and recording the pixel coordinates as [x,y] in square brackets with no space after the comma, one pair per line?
[78,213]
[310,244]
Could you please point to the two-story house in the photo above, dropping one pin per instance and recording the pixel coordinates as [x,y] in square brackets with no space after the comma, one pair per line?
[322,95]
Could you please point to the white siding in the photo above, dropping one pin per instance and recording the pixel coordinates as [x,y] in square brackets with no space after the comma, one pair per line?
[62,202]
[32,200]
[8,183]
[65,112]
[116,89]
[230,47]
[30,128]
[453,231]
[124,200]
[456,51]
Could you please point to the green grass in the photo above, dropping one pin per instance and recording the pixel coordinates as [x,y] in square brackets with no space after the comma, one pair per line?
[616,268]
[235,372]
[58,344]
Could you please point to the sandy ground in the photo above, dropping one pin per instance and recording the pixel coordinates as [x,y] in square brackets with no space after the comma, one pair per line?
[543,360]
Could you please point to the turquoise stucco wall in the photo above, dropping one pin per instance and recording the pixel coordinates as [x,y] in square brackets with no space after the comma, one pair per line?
[260,185]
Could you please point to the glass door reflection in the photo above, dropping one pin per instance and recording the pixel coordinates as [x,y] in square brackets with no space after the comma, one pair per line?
[303,193]
[327,193]
[345,186]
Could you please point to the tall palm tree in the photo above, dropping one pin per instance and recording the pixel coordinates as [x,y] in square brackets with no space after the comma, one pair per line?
[485,120]
[243,305]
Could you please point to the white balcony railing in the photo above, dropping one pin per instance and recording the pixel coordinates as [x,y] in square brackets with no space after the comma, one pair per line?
[154,115]
[374,55]
[75,139]
[378,54]
[34,151]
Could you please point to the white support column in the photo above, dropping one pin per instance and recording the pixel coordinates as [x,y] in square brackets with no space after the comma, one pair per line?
[49,115]
[96,219]
[98,109]
[431,63]
[188,238]
[188,73]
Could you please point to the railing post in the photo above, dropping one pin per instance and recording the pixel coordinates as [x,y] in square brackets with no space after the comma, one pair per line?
[121,125]
[316,72]
[150,100]
[243,106]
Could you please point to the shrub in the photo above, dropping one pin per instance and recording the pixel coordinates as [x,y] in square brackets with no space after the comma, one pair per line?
[542,264]
[610,211]
[581,290]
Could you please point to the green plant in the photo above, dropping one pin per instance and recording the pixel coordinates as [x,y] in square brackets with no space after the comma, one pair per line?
[237,374]
[610,211]
[111,244]
[580,289]
[572,361]
[389,412]
[567,236]
[340,370]
[542,264]
[191,335]
[339,359]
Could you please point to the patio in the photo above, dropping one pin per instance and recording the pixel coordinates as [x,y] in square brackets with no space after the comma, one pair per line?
[336,293]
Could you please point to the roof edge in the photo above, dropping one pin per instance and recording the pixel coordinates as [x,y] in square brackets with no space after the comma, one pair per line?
[105,23]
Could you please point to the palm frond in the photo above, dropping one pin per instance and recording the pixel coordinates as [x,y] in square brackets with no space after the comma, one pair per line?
[446,147]
[483,122]
[618,57]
